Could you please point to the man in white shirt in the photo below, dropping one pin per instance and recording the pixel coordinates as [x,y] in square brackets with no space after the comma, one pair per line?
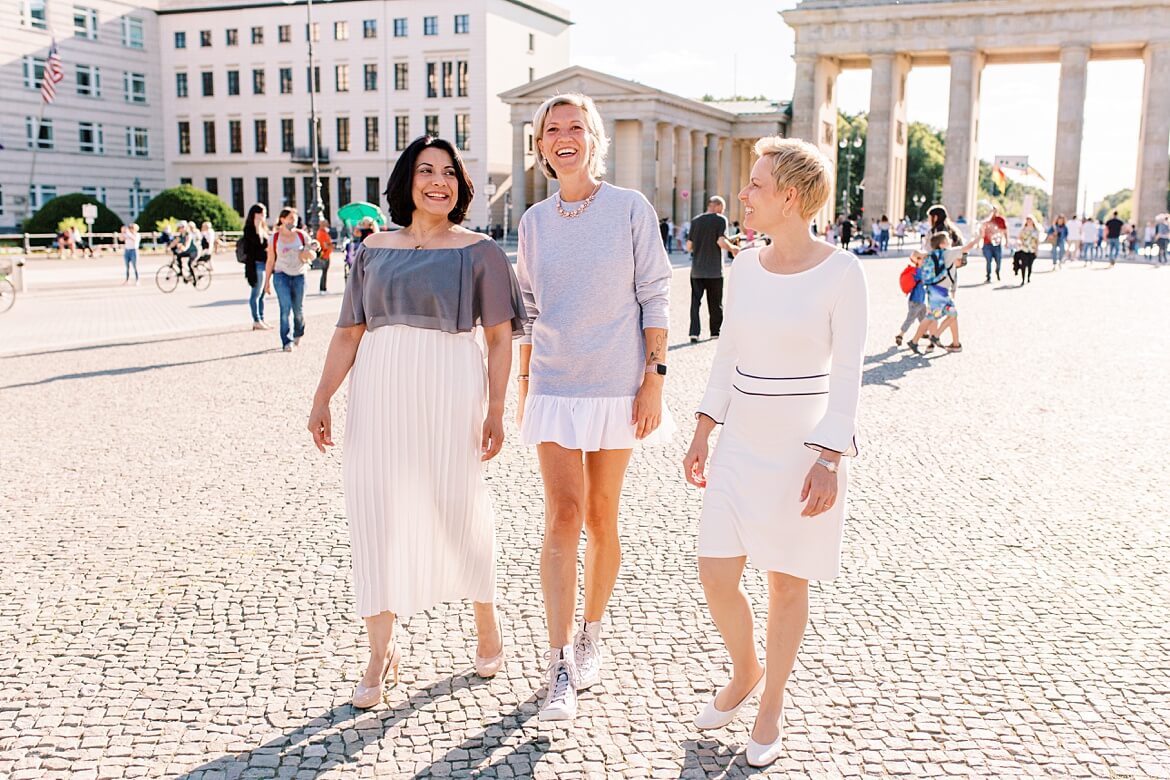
[1074,238]
[1089,232]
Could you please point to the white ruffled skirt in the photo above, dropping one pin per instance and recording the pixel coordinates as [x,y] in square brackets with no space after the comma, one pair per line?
[588,424]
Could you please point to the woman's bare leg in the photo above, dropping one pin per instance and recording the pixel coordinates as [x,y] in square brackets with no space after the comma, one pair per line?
[604,473]
[732,613]
[379,633]
[787,618]
[563,473]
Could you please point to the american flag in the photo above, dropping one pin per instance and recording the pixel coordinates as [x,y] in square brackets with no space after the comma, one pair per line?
[53,74]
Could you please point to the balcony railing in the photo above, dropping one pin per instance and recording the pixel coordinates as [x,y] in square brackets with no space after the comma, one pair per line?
[304,154]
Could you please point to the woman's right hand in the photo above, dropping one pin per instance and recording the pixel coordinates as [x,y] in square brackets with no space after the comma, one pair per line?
[321,426]
[695,461]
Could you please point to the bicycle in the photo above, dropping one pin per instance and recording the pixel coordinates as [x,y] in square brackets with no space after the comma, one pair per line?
[7,293]
[167,277]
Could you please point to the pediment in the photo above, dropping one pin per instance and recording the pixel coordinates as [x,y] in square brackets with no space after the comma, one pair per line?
[577,79]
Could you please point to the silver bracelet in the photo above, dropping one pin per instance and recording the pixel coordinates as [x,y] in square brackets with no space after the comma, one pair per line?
[828,464]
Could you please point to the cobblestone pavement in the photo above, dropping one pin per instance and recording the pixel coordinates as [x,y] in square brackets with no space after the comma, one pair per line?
[175,598]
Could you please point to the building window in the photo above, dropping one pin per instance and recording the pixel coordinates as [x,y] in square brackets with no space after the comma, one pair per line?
[32,14]
[284,33]
[232,36]
[287,141]
[40,194]
[370,28]
[97,193]
[258,81]
[373,189]
[90,138]
[85,22]
[462,24]
[401,76]
[235,137]
[344,190]
[185,181]
[205,38]
[34,71]
[139,198]
[448,79]
[207,78]
[430,25]
[432,79]
[431,125]
[399,28]
[313,78]
[289,191]
[313,32]
[461,78]
[89,80]
[137,142]
[180,40]
[208,136]
[257,35]
[531,42]
[463,132]
[341,77]
[184,138]
[42,136]
[180,85]
[238,194]
[371,134]
[134,87]
[211,184]
[260,130]
[370,76]
[341,31]
[233,82]
[286,81]
[343,134]
[262,190]
[401,132]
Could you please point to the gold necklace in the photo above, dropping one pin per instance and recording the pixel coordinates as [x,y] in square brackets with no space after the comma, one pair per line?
[422,243]
[577,211]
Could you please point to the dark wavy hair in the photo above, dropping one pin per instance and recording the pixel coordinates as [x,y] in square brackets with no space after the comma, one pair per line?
[399,195]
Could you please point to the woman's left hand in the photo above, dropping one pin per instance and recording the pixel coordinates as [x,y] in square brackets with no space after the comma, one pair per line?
[648,406]
[820,491]
[493,436]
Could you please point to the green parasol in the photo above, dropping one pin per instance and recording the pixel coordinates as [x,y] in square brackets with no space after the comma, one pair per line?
[353,213]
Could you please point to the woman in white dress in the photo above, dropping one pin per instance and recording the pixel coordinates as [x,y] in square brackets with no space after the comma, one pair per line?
[785,386]
[596,285]
[424,411]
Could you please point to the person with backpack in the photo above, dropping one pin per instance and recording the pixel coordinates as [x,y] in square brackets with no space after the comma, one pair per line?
[252,252]
[911,282]
[937,276]
[289,256]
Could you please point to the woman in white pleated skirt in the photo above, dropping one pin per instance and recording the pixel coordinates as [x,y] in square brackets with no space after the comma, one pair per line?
[426,326]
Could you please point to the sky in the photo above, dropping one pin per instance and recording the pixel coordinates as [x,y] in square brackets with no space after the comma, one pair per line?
[726,47]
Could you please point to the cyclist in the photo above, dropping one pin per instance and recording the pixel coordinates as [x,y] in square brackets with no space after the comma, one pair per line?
[186,245]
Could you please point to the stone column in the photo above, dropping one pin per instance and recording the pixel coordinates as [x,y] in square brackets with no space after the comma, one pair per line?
[725,176]
[814,114]
[1070,126]
[711,177]
[682,164]
[611,161]
[698,173]
[960,168]
[665,202]
[519,171]
[650,162]
[1153,172]
[737,176]
[885,142]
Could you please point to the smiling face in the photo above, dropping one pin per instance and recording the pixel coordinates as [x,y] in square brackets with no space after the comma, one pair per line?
[566,141]
[763,206]
[435,184]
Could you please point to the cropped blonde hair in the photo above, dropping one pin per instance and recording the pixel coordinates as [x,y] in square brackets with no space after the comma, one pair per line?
[593,126]
[799,164]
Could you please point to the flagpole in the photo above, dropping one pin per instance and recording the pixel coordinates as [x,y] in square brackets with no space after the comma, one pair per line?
[32,168]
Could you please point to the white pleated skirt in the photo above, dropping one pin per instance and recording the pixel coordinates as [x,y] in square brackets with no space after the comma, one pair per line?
[420,517]
[588,424]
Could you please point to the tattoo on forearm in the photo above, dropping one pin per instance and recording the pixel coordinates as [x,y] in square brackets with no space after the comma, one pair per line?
[657,351]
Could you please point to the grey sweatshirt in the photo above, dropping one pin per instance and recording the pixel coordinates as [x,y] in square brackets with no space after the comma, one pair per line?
[590,286]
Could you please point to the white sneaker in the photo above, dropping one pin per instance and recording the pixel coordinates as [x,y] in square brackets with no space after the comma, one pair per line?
[587,656]
[560,702]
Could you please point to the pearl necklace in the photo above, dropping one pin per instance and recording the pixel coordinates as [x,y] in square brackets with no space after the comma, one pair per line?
[580,209]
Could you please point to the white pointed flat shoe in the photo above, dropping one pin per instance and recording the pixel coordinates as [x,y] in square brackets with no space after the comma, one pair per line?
[761,755]
[714,718]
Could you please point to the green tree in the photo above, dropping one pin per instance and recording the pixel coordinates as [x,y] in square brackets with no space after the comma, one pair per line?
[187,203]
[925,153]
[851,131]
[1120,201]
[50,215]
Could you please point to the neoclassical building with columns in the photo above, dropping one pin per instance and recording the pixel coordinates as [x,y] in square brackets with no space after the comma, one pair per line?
[892,37]
[676,151]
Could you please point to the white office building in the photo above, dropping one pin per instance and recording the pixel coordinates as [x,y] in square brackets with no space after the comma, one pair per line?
[163,92]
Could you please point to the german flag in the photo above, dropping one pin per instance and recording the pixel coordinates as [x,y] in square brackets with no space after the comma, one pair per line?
[999,178]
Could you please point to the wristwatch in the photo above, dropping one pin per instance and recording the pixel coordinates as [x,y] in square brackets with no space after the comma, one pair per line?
[828,464]
[656,368]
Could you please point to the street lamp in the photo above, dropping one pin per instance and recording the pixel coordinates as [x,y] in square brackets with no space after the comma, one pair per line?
[136,206]
[919,201]
[849,143]
[317,212]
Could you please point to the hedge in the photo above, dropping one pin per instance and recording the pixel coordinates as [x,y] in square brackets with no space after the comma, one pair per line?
[186,202]
[50,215]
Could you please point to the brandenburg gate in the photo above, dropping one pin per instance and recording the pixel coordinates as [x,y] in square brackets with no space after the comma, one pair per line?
[892,37]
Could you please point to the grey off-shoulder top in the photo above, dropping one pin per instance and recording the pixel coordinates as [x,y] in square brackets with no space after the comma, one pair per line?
[451,290]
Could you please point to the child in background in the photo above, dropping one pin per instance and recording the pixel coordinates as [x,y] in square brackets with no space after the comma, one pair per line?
[911,283]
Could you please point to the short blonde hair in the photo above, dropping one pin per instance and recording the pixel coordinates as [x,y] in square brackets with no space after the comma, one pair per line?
[799,164]
[593,126]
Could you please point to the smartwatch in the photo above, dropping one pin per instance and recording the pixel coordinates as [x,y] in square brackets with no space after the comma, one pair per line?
[656,368]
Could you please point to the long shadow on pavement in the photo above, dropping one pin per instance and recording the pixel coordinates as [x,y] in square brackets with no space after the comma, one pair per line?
[715,760]
[301,748]
[477,748]
[881,371]
[129,370]
[113,345]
